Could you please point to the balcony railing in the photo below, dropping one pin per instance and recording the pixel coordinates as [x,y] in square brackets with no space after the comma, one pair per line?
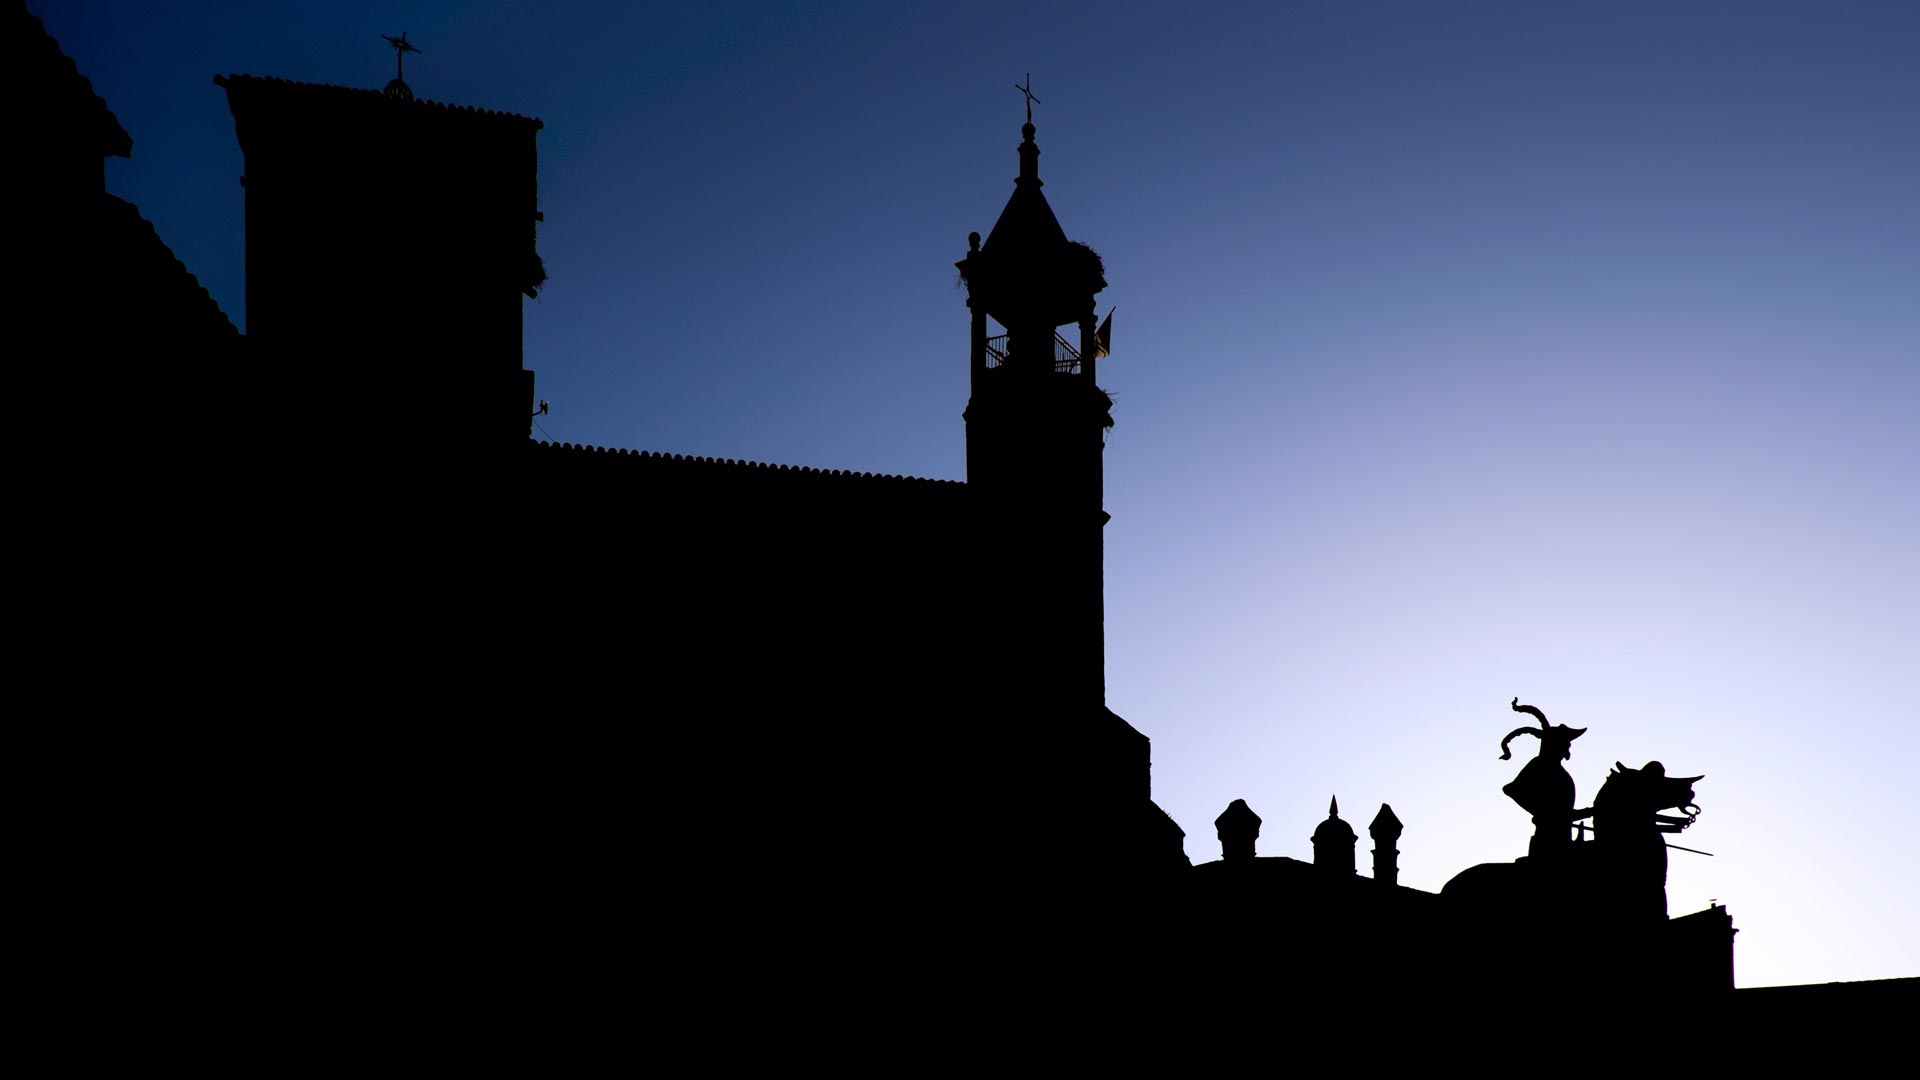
[1066,358]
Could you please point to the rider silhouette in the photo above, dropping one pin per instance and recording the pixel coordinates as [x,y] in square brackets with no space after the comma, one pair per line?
[1544,788]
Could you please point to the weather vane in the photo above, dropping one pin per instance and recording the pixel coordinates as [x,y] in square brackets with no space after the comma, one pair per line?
[1027,90]
[401,47]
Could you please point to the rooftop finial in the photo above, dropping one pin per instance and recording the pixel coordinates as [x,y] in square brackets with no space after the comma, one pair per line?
[398,88]
[1333,842]
[1027,90]
[1029,153]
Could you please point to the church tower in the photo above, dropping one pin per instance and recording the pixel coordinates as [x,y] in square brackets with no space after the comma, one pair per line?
[1036,427]
[389,243]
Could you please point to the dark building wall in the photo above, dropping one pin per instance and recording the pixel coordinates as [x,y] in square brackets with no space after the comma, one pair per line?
[816,666]
[752,702]
[389,243]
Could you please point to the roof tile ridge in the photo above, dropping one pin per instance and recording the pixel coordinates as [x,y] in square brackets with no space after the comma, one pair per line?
[72,69]
[737,463]
[194,284]
[444,106]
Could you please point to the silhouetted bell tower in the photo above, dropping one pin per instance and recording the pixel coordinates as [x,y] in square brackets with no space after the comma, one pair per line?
[1036,427]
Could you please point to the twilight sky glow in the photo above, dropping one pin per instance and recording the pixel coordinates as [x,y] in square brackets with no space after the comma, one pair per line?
[1464,351]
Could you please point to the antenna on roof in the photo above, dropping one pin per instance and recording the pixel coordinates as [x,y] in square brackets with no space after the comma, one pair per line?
[398,88]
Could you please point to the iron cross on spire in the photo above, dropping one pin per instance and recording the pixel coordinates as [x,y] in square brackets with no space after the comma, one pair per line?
[401,47]
[1027,90]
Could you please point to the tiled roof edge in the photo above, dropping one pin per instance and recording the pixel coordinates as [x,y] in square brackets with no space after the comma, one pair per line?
[730,463]
[193,283]
[122,143]
[441,106]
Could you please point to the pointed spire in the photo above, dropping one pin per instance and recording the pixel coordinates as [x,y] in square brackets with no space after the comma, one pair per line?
[1027,275]
[1333,807]
[1027,230]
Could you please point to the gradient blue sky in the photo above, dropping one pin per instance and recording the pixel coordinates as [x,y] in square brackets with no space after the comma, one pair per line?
[1464,350]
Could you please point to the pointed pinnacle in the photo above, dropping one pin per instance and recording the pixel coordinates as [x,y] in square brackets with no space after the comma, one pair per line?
[1333,807]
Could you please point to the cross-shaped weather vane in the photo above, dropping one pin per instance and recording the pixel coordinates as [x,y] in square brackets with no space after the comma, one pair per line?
[401,47]
[1027,90]
[398,88]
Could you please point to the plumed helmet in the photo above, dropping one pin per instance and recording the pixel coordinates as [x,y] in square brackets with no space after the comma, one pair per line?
[1546,732]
